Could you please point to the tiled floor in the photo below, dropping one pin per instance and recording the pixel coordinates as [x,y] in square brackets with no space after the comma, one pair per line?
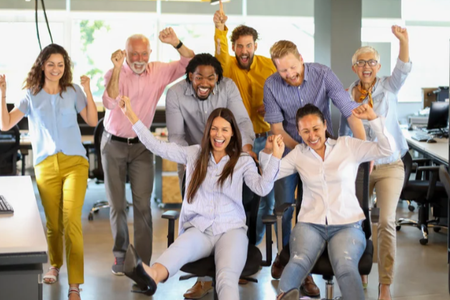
[421,271]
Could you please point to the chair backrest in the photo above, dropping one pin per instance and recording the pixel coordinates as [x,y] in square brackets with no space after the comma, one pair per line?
[444,177]
[9,145]
[251,211]
[407,165]
[364,200]
[98,133]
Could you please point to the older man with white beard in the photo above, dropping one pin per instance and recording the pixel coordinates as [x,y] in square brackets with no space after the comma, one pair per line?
[122,152]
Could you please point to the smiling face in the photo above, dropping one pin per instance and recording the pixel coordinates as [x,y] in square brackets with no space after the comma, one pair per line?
[203,81]
[54,67]
[244,48]
[138,54]
[220,135]
[367,73]
[290,69]
[313,132]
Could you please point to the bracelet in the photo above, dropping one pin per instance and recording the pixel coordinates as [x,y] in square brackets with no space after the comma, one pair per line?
[179,45]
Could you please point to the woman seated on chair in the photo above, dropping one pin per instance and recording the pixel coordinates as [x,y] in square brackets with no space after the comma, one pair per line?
[331,214]
[212,216]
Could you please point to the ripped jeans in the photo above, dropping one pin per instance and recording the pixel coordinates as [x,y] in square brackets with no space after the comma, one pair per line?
[346,244]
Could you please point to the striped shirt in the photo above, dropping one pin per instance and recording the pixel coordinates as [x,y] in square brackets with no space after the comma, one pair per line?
[213,206]
[282,100]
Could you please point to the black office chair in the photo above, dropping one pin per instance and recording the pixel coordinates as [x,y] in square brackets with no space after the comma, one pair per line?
[426,193]
[206,266]
[97,173]
[323,265]
[444,176]
[9,147]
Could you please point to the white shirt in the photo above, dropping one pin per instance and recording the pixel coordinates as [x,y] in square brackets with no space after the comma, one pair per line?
[329,185]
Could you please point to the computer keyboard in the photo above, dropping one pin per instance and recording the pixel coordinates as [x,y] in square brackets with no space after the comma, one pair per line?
[5,207]
[420,136]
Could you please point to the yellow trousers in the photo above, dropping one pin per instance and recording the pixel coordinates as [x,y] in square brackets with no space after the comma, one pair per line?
[62,181]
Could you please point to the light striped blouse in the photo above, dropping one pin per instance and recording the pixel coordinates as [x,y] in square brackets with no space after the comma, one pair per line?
[219,207]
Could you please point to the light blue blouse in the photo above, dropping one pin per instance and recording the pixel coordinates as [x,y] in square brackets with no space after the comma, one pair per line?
[52,122]
[385,101]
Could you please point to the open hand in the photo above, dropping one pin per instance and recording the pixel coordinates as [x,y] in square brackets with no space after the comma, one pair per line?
[118,57]
[85,83]
[364,112]
[168,36]
[400,33]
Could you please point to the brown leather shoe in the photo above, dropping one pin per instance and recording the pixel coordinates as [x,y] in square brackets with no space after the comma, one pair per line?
[277,268]
[309,288]
[198,290]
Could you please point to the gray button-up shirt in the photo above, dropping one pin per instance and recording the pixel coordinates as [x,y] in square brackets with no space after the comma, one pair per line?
[186,115]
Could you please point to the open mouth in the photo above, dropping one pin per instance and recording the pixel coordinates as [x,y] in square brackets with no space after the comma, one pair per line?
[244,59]
[313,143]
[218,143]
[367,74]
[203,92]
[55,74]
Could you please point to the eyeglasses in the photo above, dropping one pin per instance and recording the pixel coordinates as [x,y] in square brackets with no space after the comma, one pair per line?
[370,62]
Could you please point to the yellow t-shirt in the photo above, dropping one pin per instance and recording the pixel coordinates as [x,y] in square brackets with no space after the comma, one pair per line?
[250,83]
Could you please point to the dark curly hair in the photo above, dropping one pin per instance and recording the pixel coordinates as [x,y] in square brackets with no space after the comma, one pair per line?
[243,30]
[204,59]
[36,78]
[310,109]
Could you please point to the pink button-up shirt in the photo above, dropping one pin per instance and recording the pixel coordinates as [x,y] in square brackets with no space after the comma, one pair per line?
[144,91]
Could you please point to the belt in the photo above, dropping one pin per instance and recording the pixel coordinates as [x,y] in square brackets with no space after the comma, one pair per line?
[129,141]
[263,134]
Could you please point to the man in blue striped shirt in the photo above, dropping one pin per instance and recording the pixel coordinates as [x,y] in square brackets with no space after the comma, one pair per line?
[295,84]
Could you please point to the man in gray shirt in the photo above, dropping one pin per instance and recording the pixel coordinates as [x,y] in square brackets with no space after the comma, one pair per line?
[188,105]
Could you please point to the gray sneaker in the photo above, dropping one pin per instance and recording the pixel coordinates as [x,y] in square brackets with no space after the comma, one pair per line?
[117,267]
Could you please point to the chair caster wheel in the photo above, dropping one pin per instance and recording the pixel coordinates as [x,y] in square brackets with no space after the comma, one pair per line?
[411,208]
[423,241]
[91,216]
[436,229]
[398,227]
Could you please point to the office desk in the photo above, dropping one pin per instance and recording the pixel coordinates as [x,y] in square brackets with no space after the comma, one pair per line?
[438,152]
[25,145]
[23,246]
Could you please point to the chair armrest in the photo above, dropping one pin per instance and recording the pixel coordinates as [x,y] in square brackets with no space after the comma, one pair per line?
[421,161]
[279,210]
[269,219]
[171,215]
[431,169]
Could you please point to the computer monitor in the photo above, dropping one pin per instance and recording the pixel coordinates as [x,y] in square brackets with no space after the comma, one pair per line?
[438,117]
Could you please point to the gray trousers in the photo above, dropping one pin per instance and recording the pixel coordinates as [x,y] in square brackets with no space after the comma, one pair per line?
[120,159]
[230,254]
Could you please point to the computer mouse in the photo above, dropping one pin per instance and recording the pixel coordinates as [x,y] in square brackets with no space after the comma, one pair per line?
[431,141]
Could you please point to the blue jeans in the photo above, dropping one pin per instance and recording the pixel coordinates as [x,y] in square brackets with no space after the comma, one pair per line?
[285,193]
[267,203]
[345,244]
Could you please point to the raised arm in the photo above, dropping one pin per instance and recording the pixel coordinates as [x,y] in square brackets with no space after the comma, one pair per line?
[220,40]
[403,65]
[168,36]
[112,86]
[89,113]
[263,184]
[170,151]
[365,150]
[9,119]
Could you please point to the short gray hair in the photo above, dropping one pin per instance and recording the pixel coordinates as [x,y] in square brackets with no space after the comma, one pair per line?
[365,49]
[137,36]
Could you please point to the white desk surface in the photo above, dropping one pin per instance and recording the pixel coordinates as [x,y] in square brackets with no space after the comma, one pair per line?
[21,232]
[439,149]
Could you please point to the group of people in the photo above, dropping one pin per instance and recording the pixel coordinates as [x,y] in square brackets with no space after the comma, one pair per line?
[229,112]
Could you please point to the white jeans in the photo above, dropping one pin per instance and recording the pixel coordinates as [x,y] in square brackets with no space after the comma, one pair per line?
[230,254]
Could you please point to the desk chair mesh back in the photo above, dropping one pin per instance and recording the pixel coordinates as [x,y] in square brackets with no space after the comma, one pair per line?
[444,176]
[9,147]
[323,266]
[206,266]
[97,173]
[425,192]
